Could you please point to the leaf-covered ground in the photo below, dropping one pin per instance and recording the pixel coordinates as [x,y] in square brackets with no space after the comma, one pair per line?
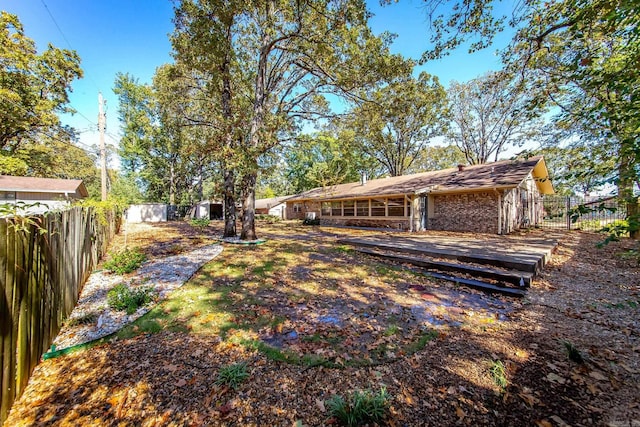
[312,319]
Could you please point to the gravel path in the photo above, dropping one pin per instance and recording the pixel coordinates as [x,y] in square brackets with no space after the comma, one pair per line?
[92,318]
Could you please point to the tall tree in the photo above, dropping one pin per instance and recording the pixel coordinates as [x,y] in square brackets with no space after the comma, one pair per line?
[322,160]
[281,56]
[397,120]
[437,157]
[583,55]
[488,114]
[34,87]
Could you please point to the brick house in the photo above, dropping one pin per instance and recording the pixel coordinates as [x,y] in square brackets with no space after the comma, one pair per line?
[496,198]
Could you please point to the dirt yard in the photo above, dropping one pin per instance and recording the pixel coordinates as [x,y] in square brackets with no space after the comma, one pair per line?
[312,319]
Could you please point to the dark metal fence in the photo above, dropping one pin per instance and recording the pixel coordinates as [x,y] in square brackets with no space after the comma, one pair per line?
[582,213]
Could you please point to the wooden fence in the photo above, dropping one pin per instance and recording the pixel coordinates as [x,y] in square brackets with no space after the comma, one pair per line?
[43,264]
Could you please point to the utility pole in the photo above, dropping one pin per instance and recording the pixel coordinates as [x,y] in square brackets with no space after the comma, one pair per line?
[102,124]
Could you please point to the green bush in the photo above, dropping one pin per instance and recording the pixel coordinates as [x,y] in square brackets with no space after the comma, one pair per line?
[232,375]
[309,221]
[270,219]
[123,298]
[499,374]
[200,223]
[125,261]
[362,407]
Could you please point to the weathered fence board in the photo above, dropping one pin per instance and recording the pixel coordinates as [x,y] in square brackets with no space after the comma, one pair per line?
[41,275]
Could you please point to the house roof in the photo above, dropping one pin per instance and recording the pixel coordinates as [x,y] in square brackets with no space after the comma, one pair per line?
[42,185]
[271,202]
[504,174]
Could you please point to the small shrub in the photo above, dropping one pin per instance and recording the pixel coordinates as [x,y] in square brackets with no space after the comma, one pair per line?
[125,261]
[123,298]
[232,375]
[359,408]
[309,221]
[499,374]
[86,319]
[200,223]
[573,353]
[269,219]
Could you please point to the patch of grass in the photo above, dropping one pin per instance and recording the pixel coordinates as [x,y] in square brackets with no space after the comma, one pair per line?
[572,352]
[200,223]
[359,408]
[232,375]
[344,249]
[124,298]
[421,342]
[499,374]
[125,261]
[391,330]
[86,319]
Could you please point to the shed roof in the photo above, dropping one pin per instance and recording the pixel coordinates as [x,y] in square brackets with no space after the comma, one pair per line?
[498,175]
[271,202]
[42,185]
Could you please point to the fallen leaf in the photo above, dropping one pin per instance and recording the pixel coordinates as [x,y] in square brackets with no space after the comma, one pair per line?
[320,405]
[543,423]
[597,375]
[555,378]
[181,382]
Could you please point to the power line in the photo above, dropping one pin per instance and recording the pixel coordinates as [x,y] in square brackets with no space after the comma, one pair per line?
[67,41]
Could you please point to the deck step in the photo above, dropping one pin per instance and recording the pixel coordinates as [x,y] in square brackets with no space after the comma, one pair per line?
[484,286]
[533,266]
[515,277]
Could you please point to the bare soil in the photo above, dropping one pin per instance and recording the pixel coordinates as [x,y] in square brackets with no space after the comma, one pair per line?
[587,299]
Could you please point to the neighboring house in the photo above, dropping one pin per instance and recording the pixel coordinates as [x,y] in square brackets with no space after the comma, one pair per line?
[498,198]
[50,193]
[275,206]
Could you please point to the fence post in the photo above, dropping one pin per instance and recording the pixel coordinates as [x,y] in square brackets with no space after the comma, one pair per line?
[566,210]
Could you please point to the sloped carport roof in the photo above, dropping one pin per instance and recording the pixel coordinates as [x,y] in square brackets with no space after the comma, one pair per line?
[42,185]
[504,174]
[270,202]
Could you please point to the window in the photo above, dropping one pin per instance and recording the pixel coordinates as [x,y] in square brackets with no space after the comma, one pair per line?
[326,209]
[348,207]
[362,208]
[396,206]
[297,207]
[336,208]
[378,207]
[7,195]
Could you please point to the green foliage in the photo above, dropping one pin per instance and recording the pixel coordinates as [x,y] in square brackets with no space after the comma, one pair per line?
[359,408]
[232,375]
[103,209]
[123,298]
[200,223]
[33,87]
[311,221]
[125,261]
[398,120]
[573,353]
[499,374]
[18,218]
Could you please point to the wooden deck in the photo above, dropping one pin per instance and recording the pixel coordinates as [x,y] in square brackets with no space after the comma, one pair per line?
[510,265]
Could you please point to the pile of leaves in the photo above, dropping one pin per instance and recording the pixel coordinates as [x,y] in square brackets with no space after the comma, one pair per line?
[516,371]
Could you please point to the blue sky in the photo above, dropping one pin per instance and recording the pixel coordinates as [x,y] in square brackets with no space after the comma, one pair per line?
[131,36]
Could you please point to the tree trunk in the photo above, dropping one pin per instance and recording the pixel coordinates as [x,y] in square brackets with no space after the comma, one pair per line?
[229,204]
[172,183]
[626,181]
[248,206]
